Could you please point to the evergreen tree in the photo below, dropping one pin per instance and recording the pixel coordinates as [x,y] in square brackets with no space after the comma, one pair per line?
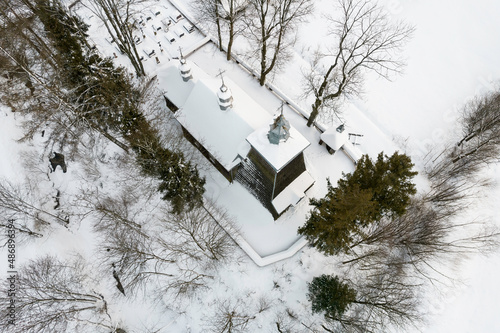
[373,190]
[327,293]
[389,178]
[67,34]
[181,183]
[106,99]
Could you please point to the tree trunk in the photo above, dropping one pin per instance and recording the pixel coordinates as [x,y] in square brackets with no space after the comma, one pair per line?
[231,39]
[263,49]
[263,54]
[314,113]
[217,22]
[121,32]
[262,79]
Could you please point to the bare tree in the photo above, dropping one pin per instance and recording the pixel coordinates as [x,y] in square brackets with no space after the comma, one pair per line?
[198,234]
[383,299]
[226,16]
[480,122]
[157,250]
[146,263]
[53,296]
[477,146]
[23,206]
[365,42]
[208,11]
[271,25]
[136,258]
[19,27]
[284,323]
[229,316]
[421,236]
[113,213]
[118,18]
[128,249]
[233,12]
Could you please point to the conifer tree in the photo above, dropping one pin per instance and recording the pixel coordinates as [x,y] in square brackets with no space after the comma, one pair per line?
[373,190]
[327,293]
[102,97]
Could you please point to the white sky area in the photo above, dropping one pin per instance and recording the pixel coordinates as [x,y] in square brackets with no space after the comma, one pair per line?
[453,56]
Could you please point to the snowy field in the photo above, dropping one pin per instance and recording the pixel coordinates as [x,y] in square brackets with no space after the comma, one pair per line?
[452,57]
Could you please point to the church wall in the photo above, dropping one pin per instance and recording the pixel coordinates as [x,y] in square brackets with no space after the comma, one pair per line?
[289,173]
[266,169]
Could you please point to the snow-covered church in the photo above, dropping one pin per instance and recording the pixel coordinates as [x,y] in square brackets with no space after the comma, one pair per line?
[242,140]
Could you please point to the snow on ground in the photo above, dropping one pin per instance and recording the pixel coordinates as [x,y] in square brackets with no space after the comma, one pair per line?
[452,57]
[155,35]
[9,133]
[258,228]
[320,163]
[57,241]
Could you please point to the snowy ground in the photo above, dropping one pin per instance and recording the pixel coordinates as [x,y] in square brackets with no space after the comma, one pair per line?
[452,57]
[268,237]
[9,133]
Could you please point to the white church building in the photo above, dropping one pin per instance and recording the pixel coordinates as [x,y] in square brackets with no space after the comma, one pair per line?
[241,139]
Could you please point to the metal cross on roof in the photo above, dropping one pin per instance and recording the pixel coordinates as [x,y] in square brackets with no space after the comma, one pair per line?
[281,107]
[220,74]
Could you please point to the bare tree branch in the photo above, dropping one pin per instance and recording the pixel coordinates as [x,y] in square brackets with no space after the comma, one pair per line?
[365,42]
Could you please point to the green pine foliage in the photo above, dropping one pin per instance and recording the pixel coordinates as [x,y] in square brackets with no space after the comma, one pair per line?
[101,90]
[68,34]
[108,97]
[389,179]
[181,183]
[327,293]
[337,218]
[375,189]
[108,100]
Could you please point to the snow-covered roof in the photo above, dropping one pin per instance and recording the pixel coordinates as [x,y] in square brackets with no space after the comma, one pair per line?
[222,133]
[176,90]
[335,137]
[292,194]
[351,151]
[278,155]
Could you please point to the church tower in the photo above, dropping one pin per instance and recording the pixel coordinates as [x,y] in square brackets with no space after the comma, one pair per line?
[224,96]
[279,130]
[185,68]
